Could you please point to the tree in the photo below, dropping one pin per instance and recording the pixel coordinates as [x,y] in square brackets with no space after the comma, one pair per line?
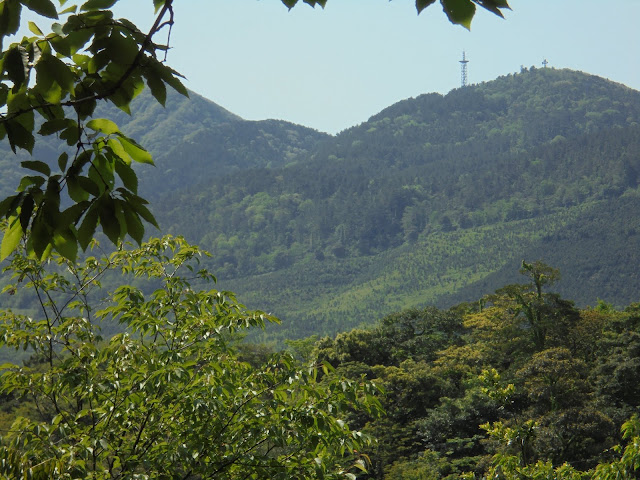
[169,397]
[50,85]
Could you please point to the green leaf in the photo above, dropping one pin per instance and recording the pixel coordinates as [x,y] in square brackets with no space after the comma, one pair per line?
[88,226]
[26,209]
[103,125]
[127,175]
[19,136]
[109,219]
[35,29]
[75,190]
[62,161]
[460,12]
[54,126]
[158,4]
[16,64]
[138,205]
[118,150]
[169,76]
[42,7]
[135,151]
[9,17]
[40,238]
[37,166]
[134,226]
[8,205]
[157,87]
[56,69]
[97,5]
[66,244]
[11,238]
[422,4]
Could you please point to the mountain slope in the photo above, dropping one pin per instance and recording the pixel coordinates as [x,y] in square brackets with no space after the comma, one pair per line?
[428,201]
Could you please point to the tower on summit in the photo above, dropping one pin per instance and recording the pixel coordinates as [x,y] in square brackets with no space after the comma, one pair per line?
[463,70]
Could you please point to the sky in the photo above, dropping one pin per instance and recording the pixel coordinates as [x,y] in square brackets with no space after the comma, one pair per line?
[334,68]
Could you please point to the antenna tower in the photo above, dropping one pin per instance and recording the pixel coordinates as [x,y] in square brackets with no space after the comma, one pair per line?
[545,63]
[463,69]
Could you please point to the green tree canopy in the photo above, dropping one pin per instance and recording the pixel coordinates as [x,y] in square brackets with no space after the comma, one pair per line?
[169,397]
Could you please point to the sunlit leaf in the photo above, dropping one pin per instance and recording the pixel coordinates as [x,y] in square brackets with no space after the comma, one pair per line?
[103,125]
[11,238]
[135,151]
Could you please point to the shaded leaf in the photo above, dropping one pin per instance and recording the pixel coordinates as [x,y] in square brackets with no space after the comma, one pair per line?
[37,166]
[422,4]
[42,7]
[460,12]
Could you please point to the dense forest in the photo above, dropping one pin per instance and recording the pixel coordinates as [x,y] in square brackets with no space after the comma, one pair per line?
[519,384]
[433,201]
[415,342]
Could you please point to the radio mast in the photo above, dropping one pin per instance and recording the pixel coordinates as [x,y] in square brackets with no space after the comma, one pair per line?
[463,68]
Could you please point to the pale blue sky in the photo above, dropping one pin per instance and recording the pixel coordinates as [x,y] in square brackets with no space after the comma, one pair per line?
[334,68]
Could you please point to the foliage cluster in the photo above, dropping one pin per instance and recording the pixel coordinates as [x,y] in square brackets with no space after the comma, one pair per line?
[520,384]
[169,397]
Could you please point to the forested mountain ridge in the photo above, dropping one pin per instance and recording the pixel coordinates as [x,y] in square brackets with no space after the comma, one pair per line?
[454,188]
[191,139]
[435,200]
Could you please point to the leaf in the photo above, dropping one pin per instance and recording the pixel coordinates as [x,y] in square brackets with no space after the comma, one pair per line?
[8,205]
[88,226]
[138,205]
[97,5]
[134,226]
[157,87]
[135,151]
[75,189]
[11,238]
[62,161]
[37,166]
[422,4]
[109,219]
[53,126]
[49,65]
[118,150]
[9,17]
[19,137]
[103,125]
[66,244]
[26,209]
[42,7]
[127,175]
[460,12]
[16,64]
[35,29]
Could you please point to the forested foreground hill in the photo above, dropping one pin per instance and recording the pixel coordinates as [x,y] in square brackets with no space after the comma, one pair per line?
[433,200]
[520,385]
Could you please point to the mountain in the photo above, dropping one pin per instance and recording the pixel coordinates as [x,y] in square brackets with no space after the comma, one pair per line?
[434,200]
[185,136]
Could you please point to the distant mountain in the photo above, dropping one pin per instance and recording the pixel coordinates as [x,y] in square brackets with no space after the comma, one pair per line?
[434,200]
[191,139]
